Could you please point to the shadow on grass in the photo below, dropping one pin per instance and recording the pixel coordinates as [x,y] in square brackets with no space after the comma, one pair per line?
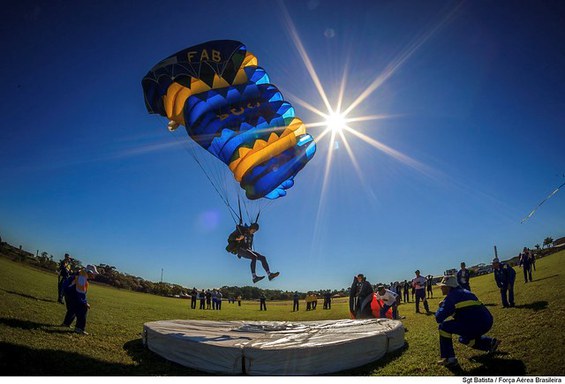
[148,360]
[19,360]
[23,324]
[535,306]
[544,278]
[28,296]
[495,366]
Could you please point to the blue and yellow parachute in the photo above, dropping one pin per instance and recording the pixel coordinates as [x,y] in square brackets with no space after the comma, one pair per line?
[228,106]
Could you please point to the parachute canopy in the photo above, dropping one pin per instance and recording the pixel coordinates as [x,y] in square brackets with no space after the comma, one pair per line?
[230,108]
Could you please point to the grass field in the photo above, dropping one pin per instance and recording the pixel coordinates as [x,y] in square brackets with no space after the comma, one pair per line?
[32,343]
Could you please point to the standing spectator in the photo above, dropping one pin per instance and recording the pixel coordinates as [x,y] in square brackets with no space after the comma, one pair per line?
[202,297]
[75,289]
[471,320]
[406,291]
[193,295]
[219,300]
[295,302]
[208,299]
[526,264]
[390,300]
[398,289]
[532,259]
[262,302]
[308,301]
[314,300]
[429,288]
[504,275]
[360,297]
[419,286]
[214,298]
[64,272]
[463,277]
[327,300]
[239,300]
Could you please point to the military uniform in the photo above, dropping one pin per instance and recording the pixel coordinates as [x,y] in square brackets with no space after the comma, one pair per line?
[505,276]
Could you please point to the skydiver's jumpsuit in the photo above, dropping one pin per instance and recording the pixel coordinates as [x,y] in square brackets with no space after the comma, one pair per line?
[244,248]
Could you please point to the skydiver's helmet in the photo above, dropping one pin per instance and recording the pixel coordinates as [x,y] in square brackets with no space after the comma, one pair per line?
[254,226]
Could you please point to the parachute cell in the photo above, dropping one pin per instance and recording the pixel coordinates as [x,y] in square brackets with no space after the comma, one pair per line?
[229,107]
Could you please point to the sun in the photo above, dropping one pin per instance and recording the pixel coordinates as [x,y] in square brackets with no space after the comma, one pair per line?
[336,122]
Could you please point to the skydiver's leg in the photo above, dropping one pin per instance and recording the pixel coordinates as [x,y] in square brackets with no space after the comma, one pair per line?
[263,261]
[248,254]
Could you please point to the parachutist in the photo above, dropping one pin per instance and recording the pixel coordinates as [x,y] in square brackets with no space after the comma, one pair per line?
[240,243]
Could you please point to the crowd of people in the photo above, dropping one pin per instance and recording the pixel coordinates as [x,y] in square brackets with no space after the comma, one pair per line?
[460,312]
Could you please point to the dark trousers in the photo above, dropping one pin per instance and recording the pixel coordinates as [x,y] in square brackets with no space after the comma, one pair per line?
[527,273]
[421,295]
[60,293]
[193,302]
[507,295]
[386,307]
[406,296]
[262,305]
[253,256]
[471,333]
[75,309]
[202,304]
[295,306]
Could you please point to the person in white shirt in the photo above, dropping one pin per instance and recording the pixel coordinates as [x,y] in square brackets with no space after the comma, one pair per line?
[390,300]
[419,284]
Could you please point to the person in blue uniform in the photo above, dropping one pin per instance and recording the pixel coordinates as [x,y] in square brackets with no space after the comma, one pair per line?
[526,264]
[504,275]
[240,243]
[64,273]
[75,288]
[471,321]
[295,303]
[463,277]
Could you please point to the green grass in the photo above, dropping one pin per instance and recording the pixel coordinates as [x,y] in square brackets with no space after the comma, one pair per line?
[31,343]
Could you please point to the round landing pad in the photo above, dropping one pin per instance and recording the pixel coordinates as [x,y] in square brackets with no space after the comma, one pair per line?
[273,347]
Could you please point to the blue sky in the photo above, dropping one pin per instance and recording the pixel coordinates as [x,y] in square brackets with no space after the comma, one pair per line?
[474,99]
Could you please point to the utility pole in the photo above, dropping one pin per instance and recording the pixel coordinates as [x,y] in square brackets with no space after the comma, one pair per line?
[495,252]
[161,275]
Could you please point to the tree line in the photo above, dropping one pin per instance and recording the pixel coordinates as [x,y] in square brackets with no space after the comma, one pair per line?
[108,274]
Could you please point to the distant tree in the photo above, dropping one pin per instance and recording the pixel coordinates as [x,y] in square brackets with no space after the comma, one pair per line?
[537,247]
[547,242]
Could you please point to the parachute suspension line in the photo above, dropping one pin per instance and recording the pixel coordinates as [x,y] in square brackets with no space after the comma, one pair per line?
[257,218]
[239,206]
[222,197]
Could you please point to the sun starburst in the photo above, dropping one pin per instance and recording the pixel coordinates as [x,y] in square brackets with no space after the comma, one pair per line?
[337,120]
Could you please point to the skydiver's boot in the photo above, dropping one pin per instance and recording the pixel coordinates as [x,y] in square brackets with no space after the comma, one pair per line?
[257,278]
[273,275]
